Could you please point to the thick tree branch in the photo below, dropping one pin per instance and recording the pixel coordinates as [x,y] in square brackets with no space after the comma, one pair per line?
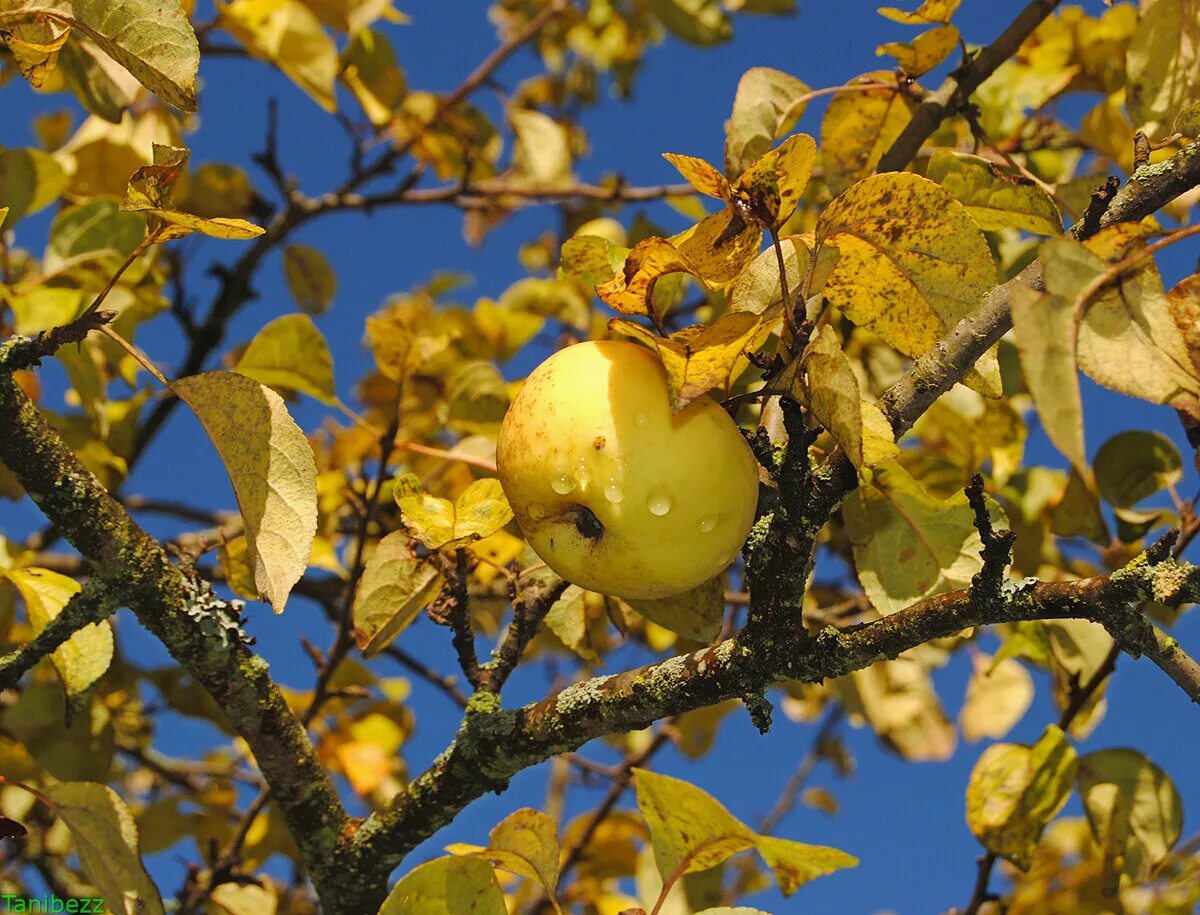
[494,744]
[200,631]
[954,94]
[90,605]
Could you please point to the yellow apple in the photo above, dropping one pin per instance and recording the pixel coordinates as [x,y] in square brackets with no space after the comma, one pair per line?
[613,491]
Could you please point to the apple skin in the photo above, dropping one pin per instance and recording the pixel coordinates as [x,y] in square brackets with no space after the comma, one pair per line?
[611,490]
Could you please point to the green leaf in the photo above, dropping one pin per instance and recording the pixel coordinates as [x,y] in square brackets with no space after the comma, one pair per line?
[1163,63]
[29,180]
[287,34]
[106,842]
[95,226]
[994,199]
[911,263]
[447,886]
[698,22]
[479,511]
[908,545]
[696,614]
[290,353]
[524,843]
[395,586]
[1134,810]
[766,106]
[152,39]
[1132,466]
[1015,790]
[310,278]
[270,464]
[859,126]
[371,70]
[689,829]
[86,655]
[796,863]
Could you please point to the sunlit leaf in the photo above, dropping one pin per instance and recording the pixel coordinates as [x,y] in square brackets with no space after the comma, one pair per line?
[479,511]
[994,199]
[1015,790]
[152,39]
[928,12]
[84,657]
[796,863]
[106,842]
[767,105]
[287,34]
[911,263]
[696,614]
[924,52]
[689,829]
[858,127]
[395,586]
[1163,63]
[998,695]
[270,464]
[371,70]
[447,886]
[524,843]
[290,353]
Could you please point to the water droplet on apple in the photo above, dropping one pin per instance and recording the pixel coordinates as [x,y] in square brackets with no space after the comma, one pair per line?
[537,511]
[659,504]
[562,484]
[641,420]
[612,490]
[707,523]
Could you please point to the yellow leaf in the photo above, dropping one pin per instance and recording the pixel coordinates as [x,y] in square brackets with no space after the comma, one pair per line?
[395,586]
[1163,63]
[998,694]
[290,353]
[773,185]
[689,829]
[479,511]
[241,899]
[234,557]
[911,263]
[541,150]
[700,175]
[703,356]
[86,655]
[897,699]
[152,40]
[796,863]
[353,16]
[928,12]
[447,886]
[718,248]
[630,290]
[1043,327]
[106,842]
[994,199]
[858,127]
[767,105]
[364,764]
[287,34]
[524,843]
[310,278]
[270,464]
[1015,790]
[924,52]
[1134,810]
[370,69]
[35,47]
[696,614]
[835,400]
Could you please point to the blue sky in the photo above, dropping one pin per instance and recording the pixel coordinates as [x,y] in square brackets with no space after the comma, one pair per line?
[905,821]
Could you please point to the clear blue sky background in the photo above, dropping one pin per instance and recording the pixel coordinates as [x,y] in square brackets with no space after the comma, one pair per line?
[905,821]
